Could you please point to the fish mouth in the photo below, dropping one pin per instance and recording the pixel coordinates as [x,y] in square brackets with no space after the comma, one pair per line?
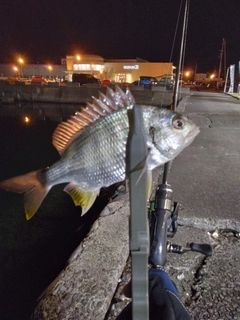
[192,135]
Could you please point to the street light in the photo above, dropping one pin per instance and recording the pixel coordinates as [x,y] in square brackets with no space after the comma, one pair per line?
[50,70]
[21,64]
[78,57]
[15,69]
[187,74]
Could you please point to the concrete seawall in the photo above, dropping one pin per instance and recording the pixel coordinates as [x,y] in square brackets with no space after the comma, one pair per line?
[73,93]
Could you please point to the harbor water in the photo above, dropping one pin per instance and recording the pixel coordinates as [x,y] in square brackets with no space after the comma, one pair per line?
[33,252]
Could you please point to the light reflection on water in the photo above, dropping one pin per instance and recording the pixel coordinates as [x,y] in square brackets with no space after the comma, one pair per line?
[40,111]
[25,147]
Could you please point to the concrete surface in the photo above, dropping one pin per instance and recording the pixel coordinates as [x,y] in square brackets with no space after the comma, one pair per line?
[205,180]
[210,166]
[84,289]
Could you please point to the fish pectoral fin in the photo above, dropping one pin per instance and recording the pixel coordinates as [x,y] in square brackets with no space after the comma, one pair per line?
[149,184]
[142,165]
[85,199]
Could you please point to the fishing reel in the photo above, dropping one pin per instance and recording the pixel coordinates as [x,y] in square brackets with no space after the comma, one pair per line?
[163,224]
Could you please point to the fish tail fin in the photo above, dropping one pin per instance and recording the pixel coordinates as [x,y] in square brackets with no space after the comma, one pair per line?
[81,198]
[33,188]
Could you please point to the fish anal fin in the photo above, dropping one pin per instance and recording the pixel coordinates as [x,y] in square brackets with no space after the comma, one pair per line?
[81,198]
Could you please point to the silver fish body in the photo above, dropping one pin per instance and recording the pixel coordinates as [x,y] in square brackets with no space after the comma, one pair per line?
[95,155]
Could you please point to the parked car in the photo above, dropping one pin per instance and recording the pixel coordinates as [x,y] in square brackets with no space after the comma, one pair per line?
[12,80]
[63,82]
[167,81]
[38,79]
[84,78]
[135,83]
[147,81]
[106,82]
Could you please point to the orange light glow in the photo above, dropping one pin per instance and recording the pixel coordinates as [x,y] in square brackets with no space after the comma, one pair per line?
[26,120]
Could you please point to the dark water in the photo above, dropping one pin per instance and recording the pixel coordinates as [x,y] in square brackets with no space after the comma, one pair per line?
[32,253]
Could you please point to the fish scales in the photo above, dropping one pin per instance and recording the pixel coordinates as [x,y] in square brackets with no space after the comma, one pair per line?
[97,157]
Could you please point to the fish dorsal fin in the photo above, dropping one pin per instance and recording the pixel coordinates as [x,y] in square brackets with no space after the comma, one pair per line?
[69,130]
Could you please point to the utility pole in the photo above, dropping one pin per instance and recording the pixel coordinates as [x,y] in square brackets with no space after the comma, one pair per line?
[223,50]
[195,72]
[224,59]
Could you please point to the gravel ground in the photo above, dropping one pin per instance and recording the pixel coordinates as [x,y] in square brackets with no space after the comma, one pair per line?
[216,287]
[209,287]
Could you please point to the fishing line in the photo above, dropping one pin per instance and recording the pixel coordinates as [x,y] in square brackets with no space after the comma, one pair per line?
[175,34]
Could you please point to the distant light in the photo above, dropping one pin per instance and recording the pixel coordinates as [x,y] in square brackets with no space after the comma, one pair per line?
[78,57]
[27,120]
[212,76]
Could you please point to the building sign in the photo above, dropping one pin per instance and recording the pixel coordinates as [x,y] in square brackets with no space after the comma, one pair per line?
[88,67]
[131,67]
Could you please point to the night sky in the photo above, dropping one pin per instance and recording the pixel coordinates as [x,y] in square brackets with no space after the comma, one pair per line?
[45,31]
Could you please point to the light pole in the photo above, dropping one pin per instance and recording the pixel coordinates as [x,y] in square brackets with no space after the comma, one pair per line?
[21,64]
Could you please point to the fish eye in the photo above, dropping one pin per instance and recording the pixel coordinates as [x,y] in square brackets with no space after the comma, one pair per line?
[178,123]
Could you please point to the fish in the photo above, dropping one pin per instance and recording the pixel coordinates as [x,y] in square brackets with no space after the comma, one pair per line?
[92,148]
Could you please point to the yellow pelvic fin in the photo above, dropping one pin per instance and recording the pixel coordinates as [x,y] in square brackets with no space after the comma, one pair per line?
[81,198]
